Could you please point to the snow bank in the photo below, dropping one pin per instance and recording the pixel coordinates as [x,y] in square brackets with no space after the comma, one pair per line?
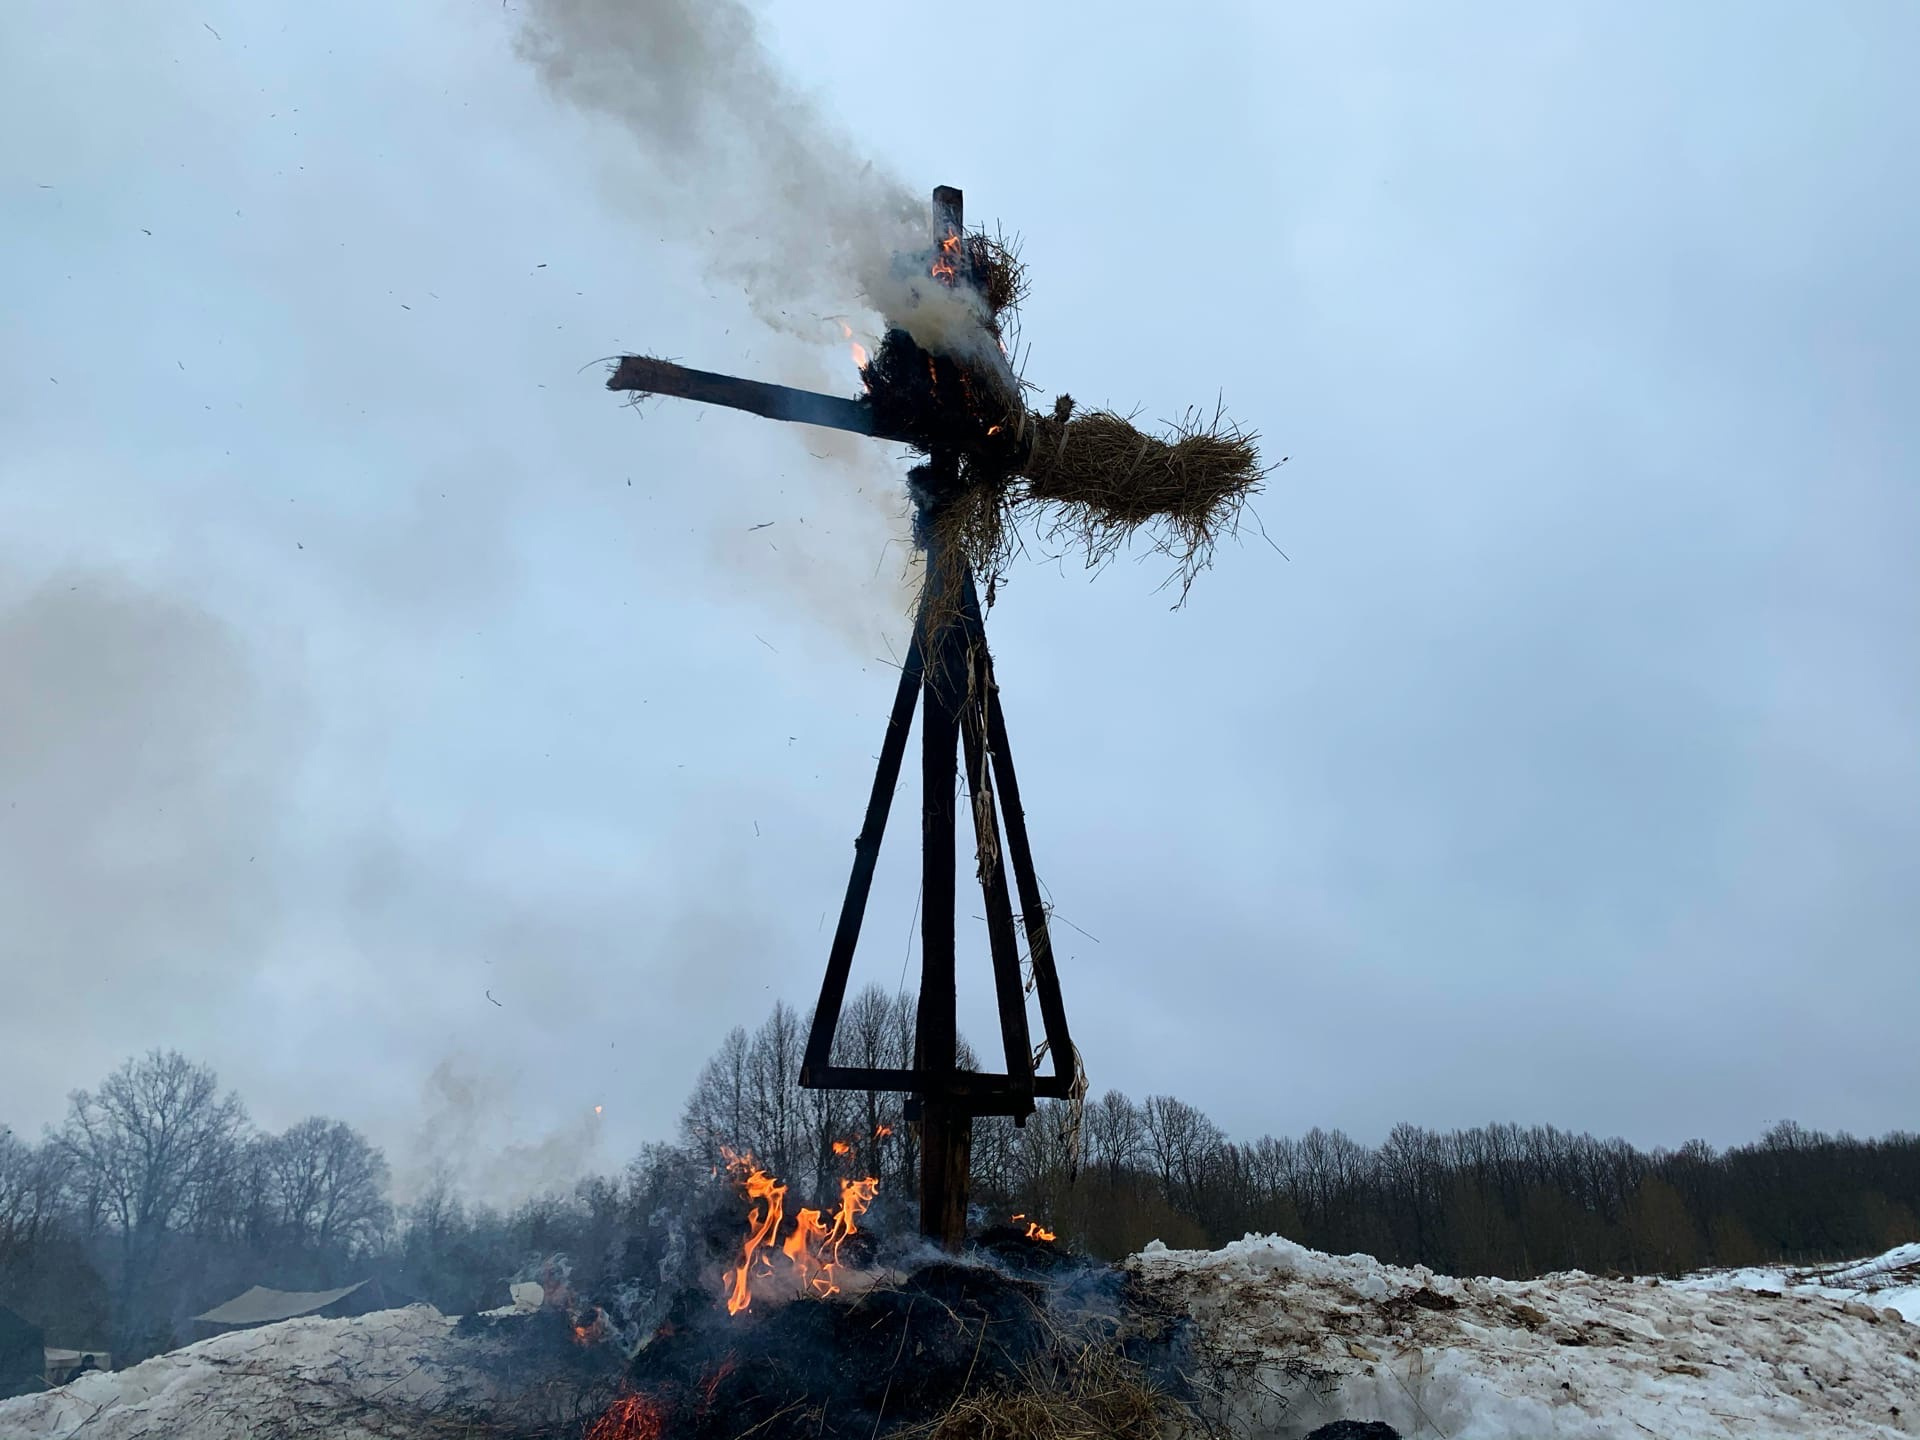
[1287,1340]
[341,1378]
[1886,1282]
[1292,1339]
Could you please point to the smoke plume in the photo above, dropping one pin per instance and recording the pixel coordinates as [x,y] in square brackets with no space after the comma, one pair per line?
[744,163]
[469,1140]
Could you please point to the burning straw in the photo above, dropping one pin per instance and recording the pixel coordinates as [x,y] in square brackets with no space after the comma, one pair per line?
[1094,480]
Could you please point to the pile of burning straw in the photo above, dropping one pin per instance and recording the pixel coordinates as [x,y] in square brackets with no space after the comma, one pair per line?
[805,1324]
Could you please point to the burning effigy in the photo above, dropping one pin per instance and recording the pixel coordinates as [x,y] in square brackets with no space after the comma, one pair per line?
[943,383]
[948,389]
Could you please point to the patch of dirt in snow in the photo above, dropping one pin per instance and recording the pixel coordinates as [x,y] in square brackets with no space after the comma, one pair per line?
[1291,1339]
[345,1379]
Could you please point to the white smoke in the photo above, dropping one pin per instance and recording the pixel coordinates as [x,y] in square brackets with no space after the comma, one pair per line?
[740,161]
[469,1140]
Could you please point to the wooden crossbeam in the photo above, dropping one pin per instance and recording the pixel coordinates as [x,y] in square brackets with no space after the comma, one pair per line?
[647,376]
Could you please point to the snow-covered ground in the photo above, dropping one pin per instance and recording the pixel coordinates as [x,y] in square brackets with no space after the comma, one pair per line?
[1295,1339]
[1291,1339]
[355,1374]
[1889,1281]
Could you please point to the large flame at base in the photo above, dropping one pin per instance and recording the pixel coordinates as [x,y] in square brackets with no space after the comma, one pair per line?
[811,1249]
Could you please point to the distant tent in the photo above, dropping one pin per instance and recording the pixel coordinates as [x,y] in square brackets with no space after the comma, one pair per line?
[261,1306]
[22,1354]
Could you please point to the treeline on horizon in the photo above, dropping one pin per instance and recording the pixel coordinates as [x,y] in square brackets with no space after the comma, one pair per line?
[156,1198]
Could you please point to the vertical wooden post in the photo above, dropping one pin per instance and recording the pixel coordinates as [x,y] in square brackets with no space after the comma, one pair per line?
[946,1126]
[946,1154]
[946,1130]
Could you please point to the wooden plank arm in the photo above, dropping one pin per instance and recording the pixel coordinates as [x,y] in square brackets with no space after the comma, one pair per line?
[776,402]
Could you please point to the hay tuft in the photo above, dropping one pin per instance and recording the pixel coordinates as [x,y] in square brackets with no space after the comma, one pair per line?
[1084,1390]
[998,273]
[1098,482]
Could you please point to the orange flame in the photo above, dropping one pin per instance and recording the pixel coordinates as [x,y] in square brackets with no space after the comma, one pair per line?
[943,268]
[803,1248]
[763,1223]
[812,1249]
[880,1132]
[632,1417]
[1037,1231]
[593,1331]
[859,350]
[855,1196]
[841,1147]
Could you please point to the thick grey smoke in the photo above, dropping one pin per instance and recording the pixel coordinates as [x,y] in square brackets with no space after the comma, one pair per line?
[469,1140]
[139,815]
[737,158]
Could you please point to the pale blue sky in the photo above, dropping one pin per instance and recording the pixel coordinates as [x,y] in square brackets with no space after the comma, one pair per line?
[1567,773]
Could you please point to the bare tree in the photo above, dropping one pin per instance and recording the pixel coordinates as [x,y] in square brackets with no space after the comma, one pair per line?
[146,1149]
[1181,1141]
[33,1182]
[777,1124]
[328,1186]
[157,1127]
[871,1037]
[1114,1135]
[717,1114]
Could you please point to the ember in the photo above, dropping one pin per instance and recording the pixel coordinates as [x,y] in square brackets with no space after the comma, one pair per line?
[591,1329]
[632,1417]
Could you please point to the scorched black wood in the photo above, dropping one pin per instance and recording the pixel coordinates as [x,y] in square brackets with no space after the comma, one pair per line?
[756,397]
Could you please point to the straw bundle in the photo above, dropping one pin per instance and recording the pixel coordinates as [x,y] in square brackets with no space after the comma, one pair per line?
[1097,482]
[1104,481]
[1094,480]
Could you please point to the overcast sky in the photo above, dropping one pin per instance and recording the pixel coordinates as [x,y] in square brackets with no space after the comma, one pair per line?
[391,720]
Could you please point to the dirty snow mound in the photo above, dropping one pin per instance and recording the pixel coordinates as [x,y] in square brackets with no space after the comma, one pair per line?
[340,1378]
[1885,1282]
[1291,1339]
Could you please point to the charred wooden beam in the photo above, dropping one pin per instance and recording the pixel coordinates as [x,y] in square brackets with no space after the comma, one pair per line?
[982,1093]
[1002,941]
[866,854]
[946,1155]
[946,1128]
[775,402]
[1033,908]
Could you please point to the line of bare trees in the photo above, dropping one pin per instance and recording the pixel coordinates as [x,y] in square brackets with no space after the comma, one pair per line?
[1497,1200]
[156,1199]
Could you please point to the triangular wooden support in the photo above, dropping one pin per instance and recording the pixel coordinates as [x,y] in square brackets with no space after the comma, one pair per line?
[949,674]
